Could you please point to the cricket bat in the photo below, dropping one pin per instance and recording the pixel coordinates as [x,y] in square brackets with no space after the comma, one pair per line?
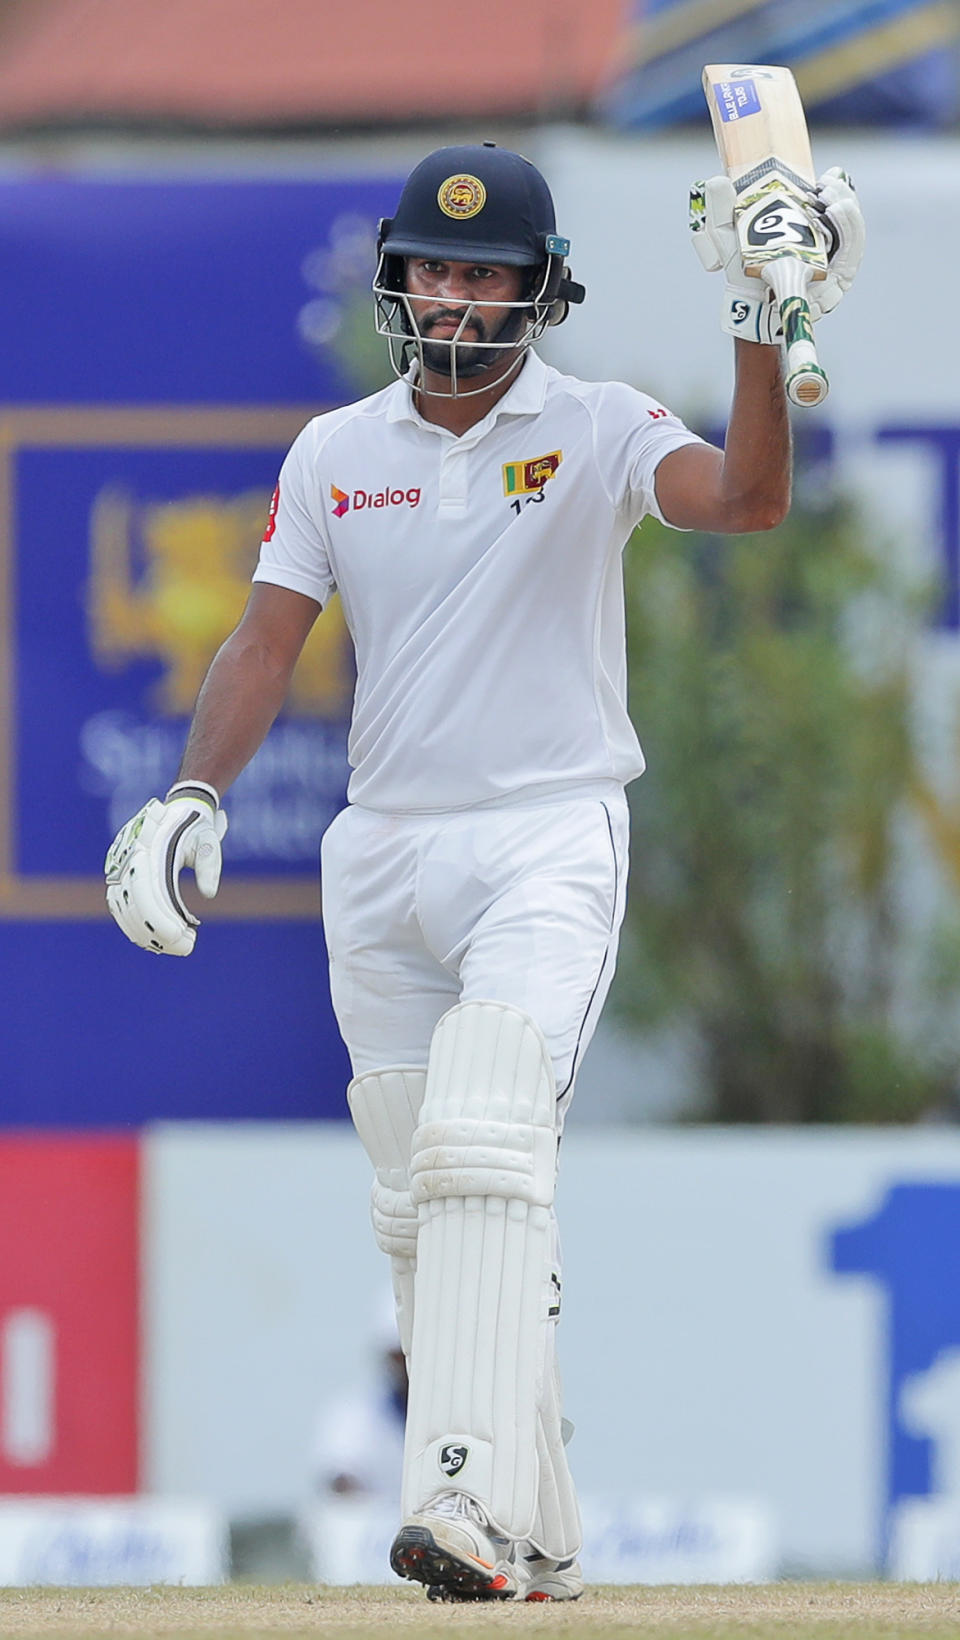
[762,139]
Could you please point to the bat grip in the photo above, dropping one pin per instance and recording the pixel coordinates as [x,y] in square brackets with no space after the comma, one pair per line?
[788,276]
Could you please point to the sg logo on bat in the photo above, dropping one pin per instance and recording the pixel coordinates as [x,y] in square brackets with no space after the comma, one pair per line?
[780,222]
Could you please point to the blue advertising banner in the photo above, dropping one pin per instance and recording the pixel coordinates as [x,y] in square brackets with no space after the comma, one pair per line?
[857,62]
[163,342]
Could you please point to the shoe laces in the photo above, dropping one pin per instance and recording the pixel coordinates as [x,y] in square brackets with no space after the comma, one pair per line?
[460,1506]
[457,1506]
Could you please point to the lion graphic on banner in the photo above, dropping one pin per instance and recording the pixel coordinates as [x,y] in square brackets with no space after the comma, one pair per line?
[169,580]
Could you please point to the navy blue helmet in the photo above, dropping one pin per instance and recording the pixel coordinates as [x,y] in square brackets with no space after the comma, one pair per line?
[475,203]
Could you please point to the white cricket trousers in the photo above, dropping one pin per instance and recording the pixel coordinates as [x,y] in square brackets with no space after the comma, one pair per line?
[520,904]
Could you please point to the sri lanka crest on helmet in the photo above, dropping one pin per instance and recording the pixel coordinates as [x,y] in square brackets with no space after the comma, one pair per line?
[461,196]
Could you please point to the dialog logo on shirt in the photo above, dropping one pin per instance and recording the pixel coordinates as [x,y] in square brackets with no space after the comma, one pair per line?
[356,500]
[523,477]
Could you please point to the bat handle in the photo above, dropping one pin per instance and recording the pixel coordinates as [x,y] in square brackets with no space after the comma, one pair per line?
[807,382]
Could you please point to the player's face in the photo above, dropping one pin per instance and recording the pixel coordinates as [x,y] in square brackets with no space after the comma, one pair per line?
[447,295]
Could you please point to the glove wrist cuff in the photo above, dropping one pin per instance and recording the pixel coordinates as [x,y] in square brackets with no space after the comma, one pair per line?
[195,788]
[752,318]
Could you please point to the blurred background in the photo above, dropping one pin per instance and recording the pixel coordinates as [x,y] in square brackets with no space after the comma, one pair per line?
[761,1186]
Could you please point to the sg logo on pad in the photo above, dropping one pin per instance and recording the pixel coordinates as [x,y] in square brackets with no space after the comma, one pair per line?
[452,1459]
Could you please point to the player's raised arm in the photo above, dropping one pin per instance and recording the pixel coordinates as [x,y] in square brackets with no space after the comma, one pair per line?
[241,695]
[745,486]
[783,229]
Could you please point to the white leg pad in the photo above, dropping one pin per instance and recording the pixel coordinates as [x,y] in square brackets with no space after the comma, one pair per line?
[483,1175]
[556,1529]
[385,1106]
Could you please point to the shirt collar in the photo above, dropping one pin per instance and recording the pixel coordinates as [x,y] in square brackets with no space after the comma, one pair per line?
[525,396]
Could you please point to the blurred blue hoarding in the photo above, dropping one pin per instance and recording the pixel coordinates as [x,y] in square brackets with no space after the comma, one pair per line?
[860,62]
[162,343]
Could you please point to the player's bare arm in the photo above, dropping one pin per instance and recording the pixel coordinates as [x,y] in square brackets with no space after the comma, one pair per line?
[241,695]
[246,685]
[789,225]
[745,486]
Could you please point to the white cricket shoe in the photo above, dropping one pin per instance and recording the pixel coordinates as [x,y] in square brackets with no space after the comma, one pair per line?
[552,1579]
[452,1547]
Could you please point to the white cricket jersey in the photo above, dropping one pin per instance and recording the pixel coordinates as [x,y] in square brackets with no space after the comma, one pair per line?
[481,582]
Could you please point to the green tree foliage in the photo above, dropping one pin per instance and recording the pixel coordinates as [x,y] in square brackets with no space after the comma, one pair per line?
[771,689]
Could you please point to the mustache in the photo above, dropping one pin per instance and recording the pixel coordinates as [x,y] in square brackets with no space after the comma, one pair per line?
[454,316]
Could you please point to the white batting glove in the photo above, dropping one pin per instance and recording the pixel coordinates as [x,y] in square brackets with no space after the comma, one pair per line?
[749,307]
[841,219]
[145,860]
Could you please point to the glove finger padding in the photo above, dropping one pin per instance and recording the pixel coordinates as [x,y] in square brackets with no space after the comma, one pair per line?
[749,310]
[843,223]
[201,850]
[711,223]
[143,870]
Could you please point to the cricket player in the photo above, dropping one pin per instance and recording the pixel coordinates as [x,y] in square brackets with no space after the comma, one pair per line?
[472,516]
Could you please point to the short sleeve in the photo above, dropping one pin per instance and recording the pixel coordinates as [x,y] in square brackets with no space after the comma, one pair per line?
[294,552]
[634,433]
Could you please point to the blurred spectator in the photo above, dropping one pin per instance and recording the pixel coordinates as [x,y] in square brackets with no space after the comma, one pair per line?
[359,1445]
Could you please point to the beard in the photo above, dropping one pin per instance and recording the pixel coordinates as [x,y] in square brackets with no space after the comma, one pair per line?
[438,357]
[471,360]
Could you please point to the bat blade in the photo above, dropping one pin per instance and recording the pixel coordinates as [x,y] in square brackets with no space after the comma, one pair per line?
[758,119]
[762,139]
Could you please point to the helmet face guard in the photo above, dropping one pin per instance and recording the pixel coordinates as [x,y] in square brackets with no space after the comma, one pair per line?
[471,360]
[486,206]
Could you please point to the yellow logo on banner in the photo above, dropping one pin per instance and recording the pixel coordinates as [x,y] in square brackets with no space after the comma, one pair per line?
[523,477]
[169,580]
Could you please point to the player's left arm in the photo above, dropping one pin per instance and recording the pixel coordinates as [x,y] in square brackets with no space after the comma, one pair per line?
[745,486]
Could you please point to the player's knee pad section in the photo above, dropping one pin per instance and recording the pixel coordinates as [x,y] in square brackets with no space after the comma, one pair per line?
[385,1105]
[488,1120]
[483,1172]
